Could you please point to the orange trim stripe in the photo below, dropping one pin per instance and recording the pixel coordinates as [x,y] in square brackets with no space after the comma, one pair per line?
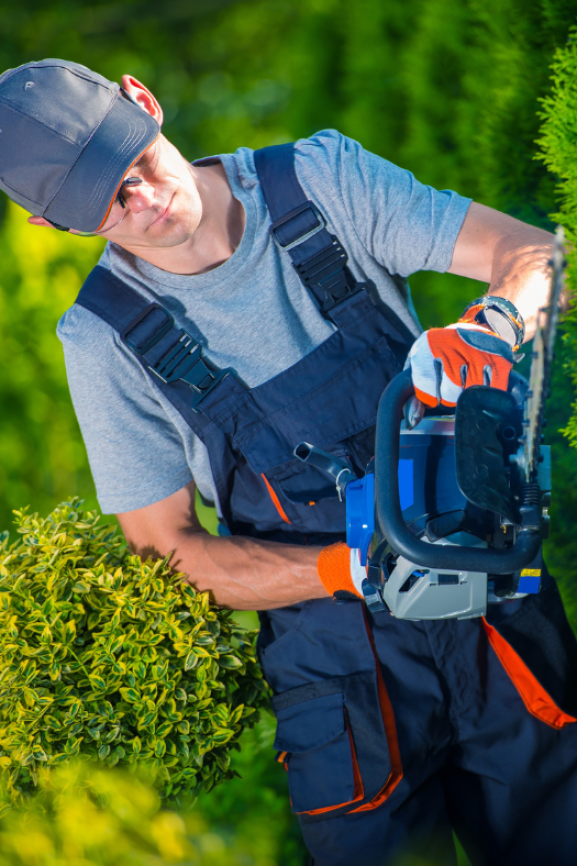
[532,693]
[396,773]
[358,790]
[275,500]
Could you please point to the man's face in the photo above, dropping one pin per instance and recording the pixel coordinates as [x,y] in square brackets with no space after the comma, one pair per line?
[163,204]
[162,211]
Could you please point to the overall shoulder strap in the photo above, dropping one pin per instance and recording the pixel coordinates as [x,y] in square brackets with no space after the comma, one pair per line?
[168,354]
[299,228]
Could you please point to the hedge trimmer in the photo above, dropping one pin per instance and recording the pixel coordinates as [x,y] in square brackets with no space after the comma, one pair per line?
[461,501]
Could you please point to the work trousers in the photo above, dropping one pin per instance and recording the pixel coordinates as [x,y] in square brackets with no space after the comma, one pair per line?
[465,750]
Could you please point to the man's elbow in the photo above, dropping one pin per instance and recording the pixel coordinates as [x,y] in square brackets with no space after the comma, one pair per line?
[160,542]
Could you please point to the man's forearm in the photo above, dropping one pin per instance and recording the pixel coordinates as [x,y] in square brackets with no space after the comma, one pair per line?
[241,573]
[249,574]
[510,255]
[521,273]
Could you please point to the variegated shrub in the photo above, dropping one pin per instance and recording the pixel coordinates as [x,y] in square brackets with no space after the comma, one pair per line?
[118,660]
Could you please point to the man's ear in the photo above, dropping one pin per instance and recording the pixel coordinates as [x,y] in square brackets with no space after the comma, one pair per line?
[143,97]
[40,221]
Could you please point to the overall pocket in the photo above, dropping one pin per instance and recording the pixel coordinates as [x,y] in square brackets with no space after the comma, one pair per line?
[307,499]
[314,741]
[337,739]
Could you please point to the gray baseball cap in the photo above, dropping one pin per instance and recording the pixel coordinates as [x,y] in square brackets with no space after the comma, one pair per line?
[67,138]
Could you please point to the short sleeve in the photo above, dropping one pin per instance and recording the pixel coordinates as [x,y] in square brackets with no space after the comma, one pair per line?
[405,225]
[136,453]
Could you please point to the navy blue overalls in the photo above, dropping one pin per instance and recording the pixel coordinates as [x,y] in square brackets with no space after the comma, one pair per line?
[391,731]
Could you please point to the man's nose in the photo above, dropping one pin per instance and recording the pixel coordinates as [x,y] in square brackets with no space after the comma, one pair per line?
[137,194]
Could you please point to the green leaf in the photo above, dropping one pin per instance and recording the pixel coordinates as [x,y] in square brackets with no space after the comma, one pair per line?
[190,662]
[230,662]
[200,651]
[48,607]
[223,762]
[130,695]
[103,752]
[170,710]
[70,630]
[39,753]
[236,714]
[73,710]
[159,748]
[30,697]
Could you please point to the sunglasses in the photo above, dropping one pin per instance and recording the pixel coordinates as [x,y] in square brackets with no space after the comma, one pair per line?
[128,181]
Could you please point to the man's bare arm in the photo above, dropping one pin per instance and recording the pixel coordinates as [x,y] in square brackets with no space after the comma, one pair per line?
[508,254]
[242,573]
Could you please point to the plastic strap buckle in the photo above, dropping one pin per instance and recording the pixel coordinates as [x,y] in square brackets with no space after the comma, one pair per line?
[297,211]
[184,363]
[327,272]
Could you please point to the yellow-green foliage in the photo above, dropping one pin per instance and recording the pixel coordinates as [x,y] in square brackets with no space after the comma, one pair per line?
[101,817]
[94,817]
[559,152]
[118,660]
[40,444]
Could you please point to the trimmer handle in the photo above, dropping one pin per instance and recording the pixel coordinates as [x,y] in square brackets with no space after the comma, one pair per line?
[390,516]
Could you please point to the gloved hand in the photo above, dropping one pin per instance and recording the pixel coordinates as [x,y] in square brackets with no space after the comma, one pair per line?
[477,350]
[340,570]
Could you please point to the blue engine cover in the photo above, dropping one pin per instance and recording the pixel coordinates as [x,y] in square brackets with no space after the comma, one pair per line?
[360,496]
[427,476]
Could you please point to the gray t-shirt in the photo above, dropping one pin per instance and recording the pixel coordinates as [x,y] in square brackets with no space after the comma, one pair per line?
[251,313]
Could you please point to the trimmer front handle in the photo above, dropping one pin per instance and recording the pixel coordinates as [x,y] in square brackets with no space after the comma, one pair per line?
[402,541]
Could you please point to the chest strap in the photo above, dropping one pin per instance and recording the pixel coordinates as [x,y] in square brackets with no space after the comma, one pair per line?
[150,332]
[299,228]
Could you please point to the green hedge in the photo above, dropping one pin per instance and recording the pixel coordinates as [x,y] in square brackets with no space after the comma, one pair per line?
[114,659]
[558,143]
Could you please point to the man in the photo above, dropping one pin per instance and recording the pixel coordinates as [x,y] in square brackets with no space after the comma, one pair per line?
[391,731]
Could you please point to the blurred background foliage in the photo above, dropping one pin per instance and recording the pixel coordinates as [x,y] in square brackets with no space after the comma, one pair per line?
[449,89]
[88,816]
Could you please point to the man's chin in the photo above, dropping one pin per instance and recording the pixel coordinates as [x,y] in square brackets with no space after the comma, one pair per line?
[166,235]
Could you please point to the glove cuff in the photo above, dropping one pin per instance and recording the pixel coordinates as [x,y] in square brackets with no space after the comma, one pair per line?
[498,315]
[334,569]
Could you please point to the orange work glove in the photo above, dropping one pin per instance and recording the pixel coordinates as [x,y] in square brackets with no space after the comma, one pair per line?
[340,570]
[477,350]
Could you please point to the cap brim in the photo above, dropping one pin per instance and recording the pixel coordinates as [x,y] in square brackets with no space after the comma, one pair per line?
[85,197]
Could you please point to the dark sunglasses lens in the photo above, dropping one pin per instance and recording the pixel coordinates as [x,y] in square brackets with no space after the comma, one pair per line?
[129,181]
